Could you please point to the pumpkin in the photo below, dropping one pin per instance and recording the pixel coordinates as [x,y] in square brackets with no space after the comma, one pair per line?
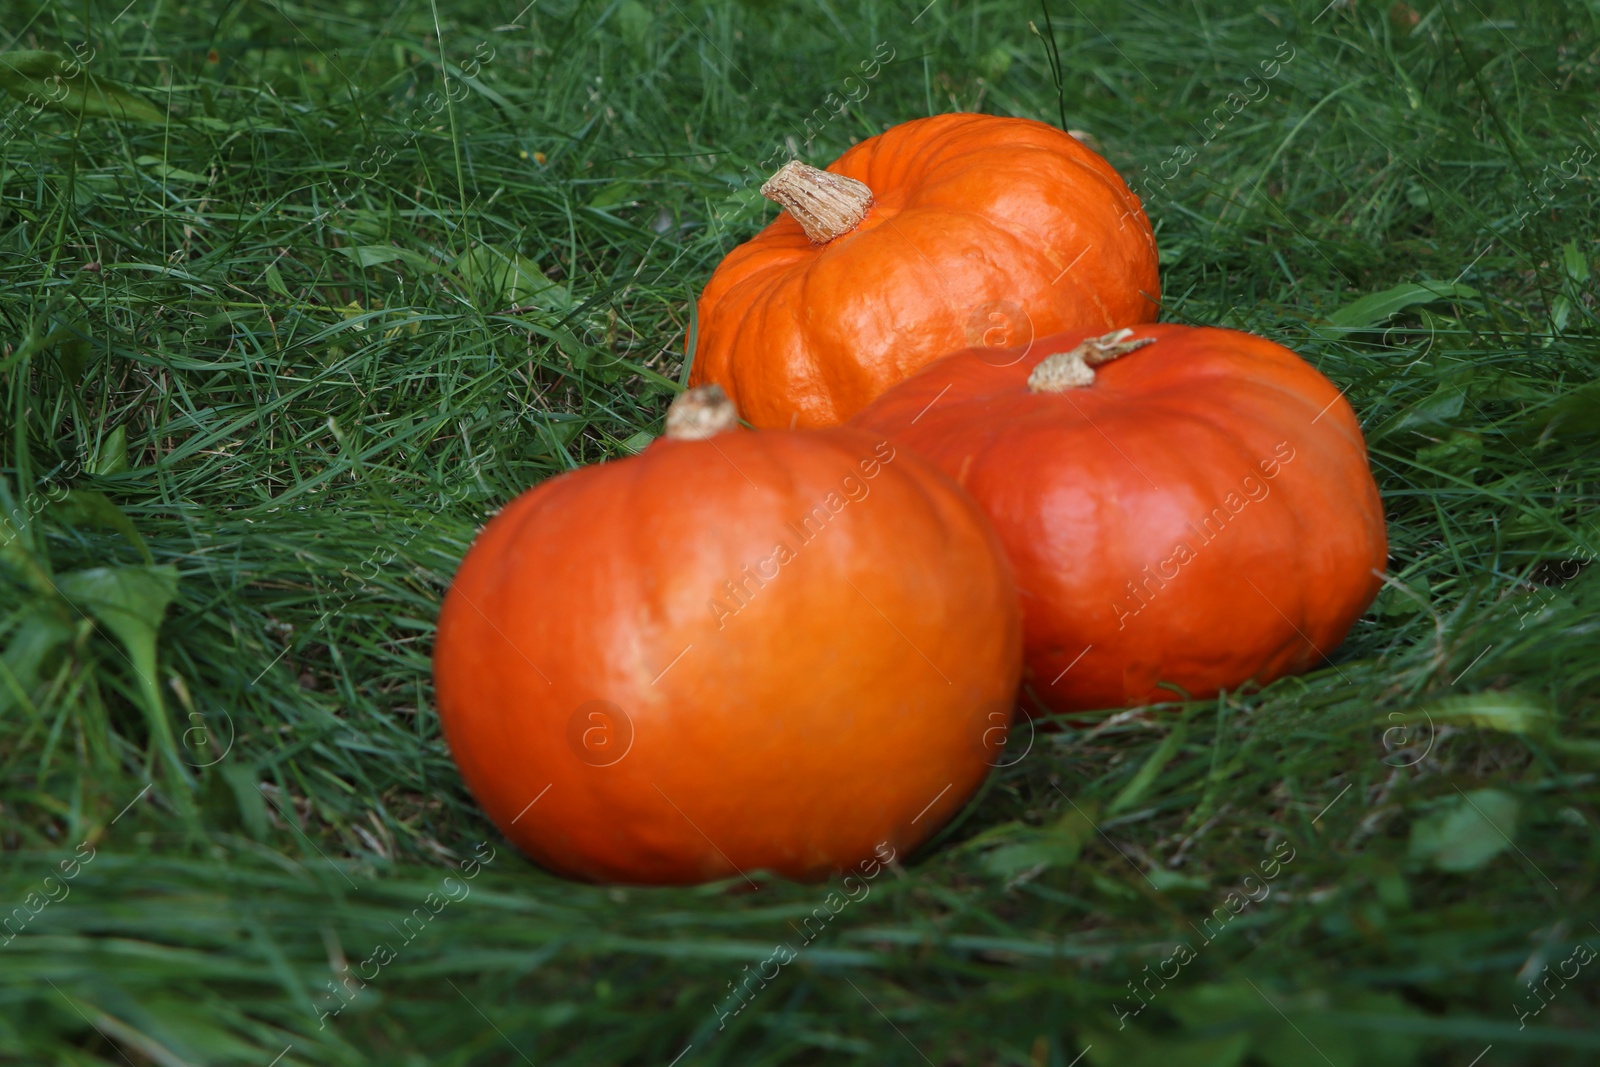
[941,233]
[736,651]
[1186,509]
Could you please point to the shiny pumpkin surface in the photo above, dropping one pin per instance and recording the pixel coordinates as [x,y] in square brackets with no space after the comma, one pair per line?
[763,650]
[1202,515]
[984,230]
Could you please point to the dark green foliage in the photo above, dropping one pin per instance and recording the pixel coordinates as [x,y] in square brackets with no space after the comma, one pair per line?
[269,361]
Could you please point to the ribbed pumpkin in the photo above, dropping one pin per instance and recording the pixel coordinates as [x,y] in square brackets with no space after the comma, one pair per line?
[941,233]
[736,651]
[1196,512]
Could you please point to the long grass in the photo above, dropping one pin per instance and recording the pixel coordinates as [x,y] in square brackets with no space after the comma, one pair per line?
[273,352]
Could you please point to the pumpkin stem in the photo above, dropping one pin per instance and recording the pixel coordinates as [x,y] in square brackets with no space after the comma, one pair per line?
[701,412]
[826,205]
[1070,370]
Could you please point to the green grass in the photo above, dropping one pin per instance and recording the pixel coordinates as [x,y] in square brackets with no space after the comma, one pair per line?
[295,449]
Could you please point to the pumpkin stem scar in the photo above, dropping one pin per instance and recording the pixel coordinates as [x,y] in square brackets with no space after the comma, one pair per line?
[826,205]
[1071,370]
[701,412]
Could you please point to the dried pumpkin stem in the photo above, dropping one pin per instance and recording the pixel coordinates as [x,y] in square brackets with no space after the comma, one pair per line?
[826,205]
[1074,369]
[701,412]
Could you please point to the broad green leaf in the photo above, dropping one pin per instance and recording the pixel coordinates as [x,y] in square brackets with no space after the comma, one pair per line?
[1166,880]
[162,169]
[1393,601]
[996,62]
[510,279]
[638,442]
[73,353]
[112,455]
[636,22]
[1509,711]
[1431,412]
[555,431]
[1374,308]
[1290,1028]
[275,280]
[64,85]
[1458,450]
[244,782]
[1577,269]
[375,255]
[743,205]
[1305,1034]
[43,628]
[614,195]
[84,507]
[189,1036]
[1140,783]
[129,603]
[13,542]
[1133,1046]
[1574,415]
[1466,833]
[1014,849]
[17,536]
[1572,259]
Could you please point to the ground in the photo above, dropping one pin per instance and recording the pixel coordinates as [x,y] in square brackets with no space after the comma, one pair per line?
[293,296]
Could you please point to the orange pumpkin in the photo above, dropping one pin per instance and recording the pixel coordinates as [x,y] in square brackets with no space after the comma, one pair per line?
[944,232]
[1197,512]
[737,651]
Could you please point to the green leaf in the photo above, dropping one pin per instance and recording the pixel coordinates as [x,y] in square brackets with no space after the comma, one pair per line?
[1291,1029]
[1167,880]
[1508,711]
[73,355]
[1132,1047]
[190,1037]
[1014,849]
[112,455]
[1430,413]
[1467,833]
[84,507]
[243,781]
[43,628]
[1577,269]
[554,431]
[129,603]
[45,78]
[1574,415]
[1393,601]
[995,62]
[17,534]
[1369,310]
[374,255]
[507,278]
[638,442]
[636,23]
[614,195]
[162,169]
[1305,1034]
[1140,783]
[275,280]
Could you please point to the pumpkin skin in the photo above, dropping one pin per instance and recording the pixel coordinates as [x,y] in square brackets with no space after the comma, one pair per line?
[838,711]
[1202,515]
[983,230]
